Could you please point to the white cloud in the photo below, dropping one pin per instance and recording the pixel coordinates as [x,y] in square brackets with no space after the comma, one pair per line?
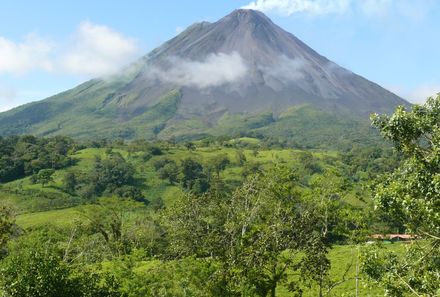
[287,69]
[93,50]
[289,7]
[215,70]
[31,54]
[7,97]
[97,50]
[409,9]
[420,94]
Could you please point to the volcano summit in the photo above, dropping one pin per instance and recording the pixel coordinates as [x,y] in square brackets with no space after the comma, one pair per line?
[242,74]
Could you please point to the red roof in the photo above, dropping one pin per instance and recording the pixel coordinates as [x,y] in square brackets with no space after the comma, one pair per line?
[393,236]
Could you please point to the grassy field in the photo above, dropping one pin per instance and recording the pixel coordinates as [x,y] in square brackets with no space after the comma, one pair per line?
[59,217]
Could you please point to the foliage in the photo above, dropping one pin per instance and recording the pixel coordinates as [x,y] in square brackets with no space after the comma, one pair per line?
[219,163]
[414,274]
[254,234]
[185,277]
[44,176]
[7,226]
[240,157]
[70,182]
[26,155]
[35,267]
[169,171]
[111,173]
[118,243]
[411,194]
[113,219]
[194,178]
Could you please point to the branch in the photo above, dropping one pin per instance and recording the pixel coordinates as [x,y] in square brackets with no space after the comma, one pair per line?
[335,284]
[409,287]
[423,257]
[66,252]
[339,283]
[430,235]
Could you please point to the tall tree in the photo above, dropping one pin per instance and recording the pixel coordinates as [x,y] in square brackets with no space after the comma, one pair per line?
[169,171]
[70,182]
[219,163]
[109,217]
[194,177]
[411,194]
[256,235]
[111,173]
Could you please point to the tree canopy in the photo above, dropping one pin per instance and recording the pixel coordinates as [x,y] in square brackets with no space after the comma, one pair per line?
[411,194]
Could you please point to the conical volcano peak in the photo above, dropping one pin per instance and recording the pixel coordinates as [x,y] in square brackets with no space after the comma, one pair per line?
[247,32]
[248,21]
[246,63]
[241,66]
[246,16]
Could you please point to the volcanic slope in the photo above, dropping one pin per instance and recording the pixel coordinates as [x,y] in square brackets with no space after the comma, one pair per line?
[240,75]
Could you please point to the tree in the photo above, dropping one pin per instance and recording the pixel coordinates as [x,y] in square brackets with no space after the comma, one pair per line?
[131,192]
[37,272]
[26,155]
[240,157]
[309,163]
[169,171]
[194,177]
[111,173]
[70,182]
[411,194]
[411,191]
[44,176]
[337,221]
[190,146]
[256,235]
[35,267]
[219,163]
[108,218]
[7,227]
[161,162]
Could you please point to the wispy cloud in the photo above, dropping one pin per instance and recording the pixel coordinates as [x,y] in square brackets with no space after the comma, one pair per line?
[286,69]
[371,8]
[93,50]
[418,94]
[214,70]
[289,7]
[421,93]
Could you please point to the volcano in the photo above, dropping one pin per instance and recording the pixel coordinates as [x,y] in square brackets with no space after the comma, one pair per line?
[242,74]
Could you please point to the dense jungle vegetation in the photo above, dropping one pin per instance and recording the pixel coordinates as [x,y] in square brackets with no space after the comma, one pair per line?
[222,216]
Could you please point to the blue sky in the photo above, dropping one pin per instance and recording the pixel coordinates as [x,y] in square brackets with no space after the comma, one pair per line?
[50,46]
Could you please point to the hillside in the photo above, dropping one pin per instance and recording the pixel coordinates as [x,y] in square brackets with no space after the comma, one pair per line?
[84,181]
[240,75]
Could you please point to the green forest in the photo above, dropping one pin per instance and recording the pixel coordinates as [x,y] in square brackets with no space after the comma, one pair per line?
[223,216]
